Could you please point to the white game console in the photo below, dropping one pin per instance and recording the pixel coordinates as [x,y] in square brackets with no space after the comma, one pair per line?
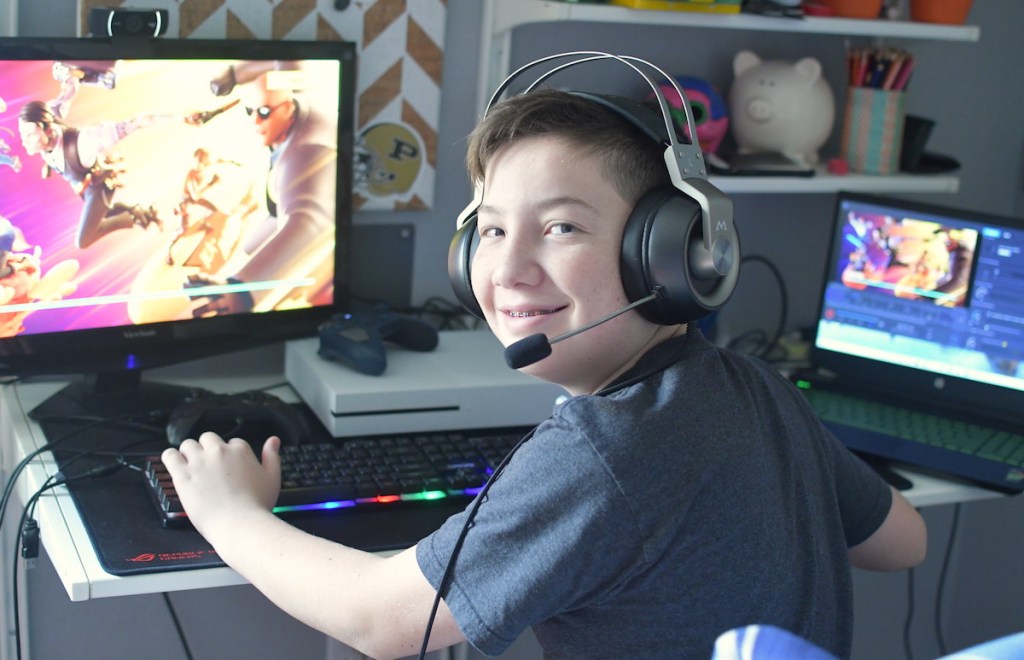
[463,384]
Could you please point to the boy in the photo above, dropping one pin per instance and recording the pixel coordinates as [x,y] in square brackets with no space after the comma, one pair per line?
[681,491]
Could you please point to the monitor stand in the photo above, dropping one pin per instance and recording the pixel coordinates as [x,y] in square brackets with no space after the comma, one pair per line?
[114,395]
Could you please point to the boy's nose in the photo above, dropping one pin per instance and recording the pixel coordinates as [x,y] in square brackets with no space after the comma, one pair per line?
[516,265]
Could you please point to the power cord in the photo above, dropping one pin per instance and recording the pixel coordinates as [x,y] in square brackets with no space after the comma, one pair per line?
[177,626]
[27,538]
[953,526]
[763,344]
[49,446]
[475,506]
[90,423]
[440,313]
[907,646]
[26,544]
[941,588]
[450,567]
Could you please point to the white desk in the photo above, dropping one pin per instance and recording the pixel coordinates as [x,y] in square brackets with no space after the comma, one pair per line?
[67,541]
[62,531]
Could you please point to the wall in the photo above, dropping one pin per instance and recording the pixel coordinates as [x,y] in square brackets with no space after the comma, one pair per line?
[8,17]
[972,91]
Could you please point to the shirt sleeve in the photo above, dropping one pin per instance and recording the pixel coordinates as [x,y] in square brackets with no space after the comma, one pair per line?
[864,497]
[539,544]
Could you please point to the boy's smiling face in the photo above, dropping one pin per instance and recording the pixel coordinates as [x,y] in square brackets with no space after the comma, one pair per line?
[550,228]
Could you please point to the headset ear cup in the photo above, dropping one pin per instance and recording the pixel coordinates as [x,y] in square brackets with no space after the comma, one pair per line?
[662,232]
[460,259]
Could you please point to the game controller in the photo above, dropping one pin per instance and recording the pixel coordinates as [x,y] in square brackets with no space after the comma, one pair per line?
[253,415]
[356,339]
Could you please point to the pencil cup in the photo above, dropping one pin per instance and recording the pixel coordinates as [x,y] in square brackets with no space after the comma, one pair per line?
[873,130]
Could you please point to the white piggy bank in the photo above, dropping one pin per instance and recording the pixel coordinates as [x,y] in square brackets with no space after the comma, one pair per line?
[780,106]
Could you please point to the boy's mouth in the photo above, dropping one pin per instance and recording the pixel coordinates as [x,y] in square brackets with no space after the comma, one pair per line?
[525,314]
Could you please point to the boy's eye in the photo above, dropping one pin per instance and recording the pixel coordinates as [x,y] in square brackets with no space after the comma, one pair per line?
[491,232]
[562,228]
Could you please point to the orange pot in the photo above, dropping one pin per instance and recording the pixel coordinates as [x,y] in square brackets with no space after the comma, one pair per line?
[855,8]
[952,12]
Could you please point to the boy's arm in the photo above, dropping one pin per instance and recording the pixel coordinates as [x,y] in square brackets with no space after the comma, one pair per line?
[900,542]
[374,604]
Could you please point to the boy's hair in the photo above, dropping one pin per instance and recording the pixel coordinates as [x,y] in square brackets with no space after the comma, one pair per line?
[633,162]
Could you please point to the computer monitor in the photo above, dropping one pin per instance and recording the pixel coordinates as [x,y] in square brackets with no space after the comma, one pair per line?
[167,200]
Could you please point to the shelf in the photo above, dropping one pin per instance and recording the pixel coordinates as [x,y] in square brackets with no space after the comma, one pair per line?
[822,182]
[501,17]
[508,15]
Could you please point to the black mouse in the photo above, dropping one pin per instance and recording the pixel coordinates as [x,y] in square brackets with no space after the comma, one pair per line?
[253,416]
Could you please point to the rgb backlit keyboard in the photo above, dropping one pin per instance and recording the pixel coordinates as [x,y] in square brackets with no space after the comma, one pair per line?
[368,471]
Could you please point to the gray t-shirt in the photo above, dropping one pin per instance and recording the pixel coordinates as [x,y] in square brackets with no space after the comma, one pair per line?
[644,523]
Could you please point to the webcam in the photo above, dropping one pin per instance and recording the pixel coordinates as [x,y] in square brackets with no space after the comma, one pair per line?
[123,22]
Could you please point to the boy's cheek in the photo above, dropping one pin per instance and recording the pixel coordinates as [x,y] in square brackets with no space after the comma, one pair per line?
[480,280]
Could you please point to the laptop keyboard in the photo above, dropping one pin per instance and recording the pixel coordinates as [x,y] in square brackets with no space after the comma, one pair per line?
[982,441]
[368,472]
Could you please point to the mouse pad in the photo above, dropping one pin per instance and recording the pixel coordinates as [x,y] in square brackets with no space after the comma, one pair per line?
[125,529]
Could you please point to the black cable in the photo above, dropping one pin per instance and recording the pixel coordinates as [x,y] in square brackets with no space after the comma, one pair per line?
[446,577]
[451,316]
[20,467]
[28,513]
[16,472]
[91,422]
[177,626]
[450,567]
[52,481]
[442,314]
[939,635]
[907,646]
[769,342]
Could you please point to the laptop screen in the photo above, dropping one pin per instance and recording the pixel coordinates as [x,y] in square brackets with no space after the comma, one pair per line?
[925,301]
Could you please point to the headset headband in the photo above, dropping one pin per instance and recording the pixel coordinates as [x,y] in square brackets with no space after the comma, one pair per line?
[684,160]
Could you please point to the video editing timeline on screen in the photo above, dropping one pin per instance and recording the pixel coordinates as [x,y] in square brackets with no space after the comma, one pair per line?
[930,285]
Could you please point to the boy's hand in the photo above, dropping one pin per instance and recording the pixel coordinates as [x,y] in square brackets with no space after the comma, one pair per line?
[219,482]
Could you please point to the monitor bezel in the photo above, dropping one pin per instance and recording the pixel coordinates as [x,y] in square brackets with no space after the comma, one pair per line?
[134,348]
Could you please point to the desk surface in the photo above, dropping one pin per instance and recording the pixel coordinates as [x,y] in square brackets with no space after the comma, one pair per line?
[67,541]
[62,530]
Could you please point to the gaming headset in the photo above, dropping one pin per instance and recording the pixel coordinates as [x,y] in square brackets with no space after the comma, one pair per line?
[679,245]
